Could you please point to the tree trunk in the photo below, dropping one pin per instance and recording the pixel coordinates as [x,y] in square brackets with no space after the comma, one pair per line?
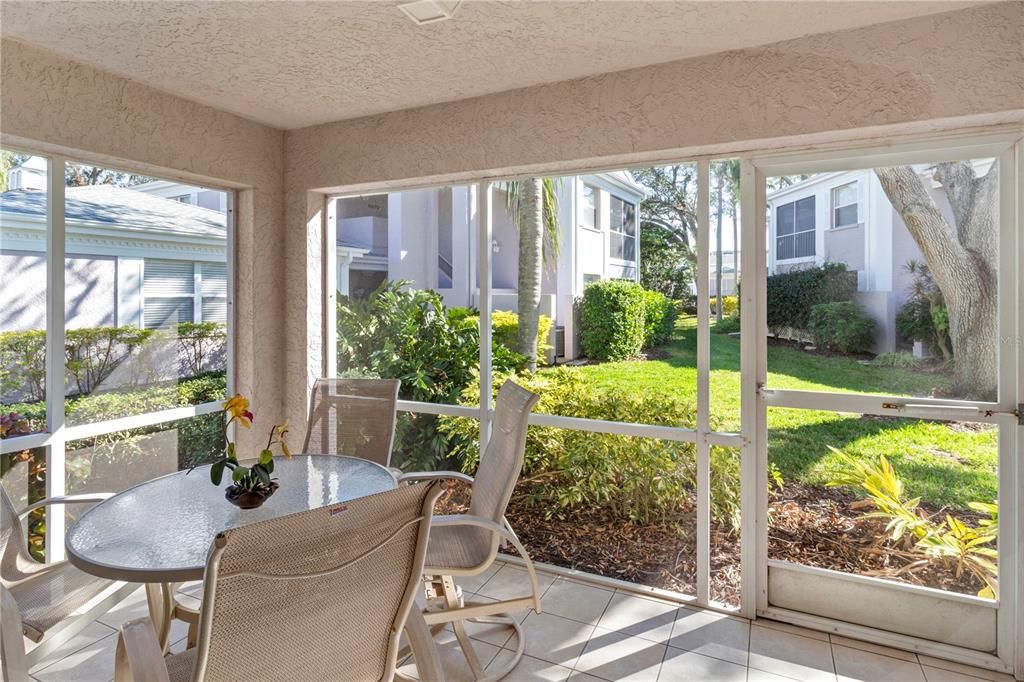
[962,259]
[531,259]
[718,247]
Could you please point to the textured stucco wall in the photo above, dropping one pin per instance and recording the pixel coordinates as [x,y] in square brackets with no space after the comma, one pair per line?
[948,65]
[51,104]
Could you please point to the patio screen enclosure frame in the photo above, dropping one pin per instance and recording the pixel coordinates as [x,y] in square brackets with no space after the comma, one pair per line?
[757,396]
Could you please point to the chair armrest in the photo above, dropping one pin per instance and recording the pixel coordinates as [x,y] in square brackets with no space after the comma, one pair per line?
[435,476]
[138,657]
[469,520]
[66,499]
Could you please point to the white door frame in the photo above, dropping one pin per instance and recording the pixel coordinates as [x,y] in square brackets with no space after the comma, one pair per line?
[757,396]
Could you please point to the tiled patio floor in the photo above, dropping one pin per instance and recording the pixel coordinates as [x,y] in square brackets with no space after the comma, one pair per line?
[588,633]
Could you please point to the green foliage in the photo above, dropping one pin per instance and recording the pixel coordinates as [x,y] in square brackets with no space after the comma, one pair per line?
[791,295]
[638,478]
[612,320]
[947,542]
[659,318]
[93,353]
[198,342]
[727,325]
[842,326]
[23,362]
[901,360]
[664,265]
[505,326]
[730,305]
[924,317]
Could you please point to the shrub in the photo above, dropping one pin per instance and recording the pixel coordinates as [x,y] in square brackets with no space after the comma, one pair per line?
[505,327]
[727,325]
[612,320]
[23,362]
[659,318]
[898,360]
[200,343]
[93,353]
[791,295]
[924,317]
[730,305]
[841,326]
[637,478]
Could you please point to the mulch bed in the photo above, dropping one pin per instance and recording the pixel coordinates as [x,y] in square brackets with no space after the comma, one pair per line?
[821,527]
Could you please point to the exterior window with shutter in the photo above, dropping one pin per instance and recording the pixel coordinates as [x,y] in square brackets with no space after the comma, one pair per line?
[168,293]
[794,229]
[588,214]
[214,292]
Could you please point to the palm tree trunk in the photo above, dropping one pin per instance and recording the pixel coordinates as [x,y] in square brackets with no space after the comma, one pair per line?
[531,260]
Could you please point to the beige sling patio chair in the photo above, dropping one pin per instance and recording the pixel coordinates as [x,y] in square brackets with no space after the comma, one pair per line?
[354,417]
[319,595]
[467,544]
[48,603]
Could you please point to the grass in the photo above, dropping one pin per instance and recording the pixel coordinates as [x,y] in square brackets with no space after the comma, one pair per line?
[945,464]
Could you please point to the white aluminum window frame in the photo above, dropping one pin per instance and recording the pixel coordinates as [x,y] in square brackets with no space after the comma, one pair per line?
[813,230]
[622,234]
[833,192]
[758,396]
[752,436]
[57,433]
[594,209]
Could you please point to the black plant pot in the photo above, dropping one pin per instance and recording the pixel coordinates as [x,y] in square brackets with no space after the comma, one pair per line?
[248,499]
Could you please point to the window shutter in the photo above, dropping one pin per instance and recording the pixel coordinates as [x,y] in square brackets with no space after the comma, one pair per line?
[168,293]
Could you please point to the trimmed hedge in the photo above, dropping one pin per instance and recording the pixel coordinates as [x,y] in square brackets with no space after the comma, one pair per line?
[659,318]
[730,305]
[612,320]
[792,295]
[842,326]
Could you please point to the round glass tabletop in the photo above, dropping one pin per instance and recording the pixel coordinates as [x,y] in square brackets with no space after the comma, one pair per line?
[161,530]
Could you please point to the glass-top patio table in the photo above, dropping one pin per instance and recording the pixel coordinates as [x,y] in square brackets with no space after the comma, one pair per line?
[159,532]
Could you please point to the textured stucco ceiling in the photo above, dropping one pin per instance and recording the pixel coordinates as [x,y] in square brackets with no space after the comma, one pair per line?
[294,64]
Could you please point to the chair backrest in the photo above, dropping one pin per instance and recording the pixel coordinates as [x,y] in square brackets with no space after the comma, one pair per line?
[13,549]
[502,460]
[318,595]
[354,417]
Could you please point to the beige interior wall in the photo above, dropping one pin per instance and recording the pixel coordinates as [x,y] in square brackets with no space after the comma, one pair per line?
[51,104]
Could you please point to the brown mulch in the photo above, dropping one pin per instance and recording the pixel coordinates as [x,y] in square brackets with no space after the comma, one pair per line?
[821,527]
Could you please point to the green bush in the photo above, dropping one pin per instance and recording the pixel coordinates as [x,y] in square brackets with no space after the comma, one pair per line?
[841,326]
[23,362]
[900,360]
[505,328]
[730,305]
[659,318]
[199,342]
[727,325]
[612,320]
[93,353]
[791,295]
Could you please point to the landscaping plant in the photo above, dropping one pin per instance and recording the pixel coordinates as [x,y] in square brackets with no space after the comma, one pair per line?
[612,320]
[659,318]
[951,541]
[842,326]
[792,295]
[924,317]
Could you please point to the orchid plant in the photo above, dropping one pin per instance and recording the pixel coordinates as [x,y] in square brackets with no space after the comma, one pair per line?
[256,477]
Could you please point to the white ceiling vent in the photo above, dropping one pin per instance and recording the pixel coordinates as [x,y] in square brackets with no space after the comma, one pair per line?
[430,11]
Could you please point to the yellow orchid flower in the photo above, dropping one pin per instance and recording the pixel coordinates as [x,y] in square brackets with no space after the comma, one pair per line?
[238,407]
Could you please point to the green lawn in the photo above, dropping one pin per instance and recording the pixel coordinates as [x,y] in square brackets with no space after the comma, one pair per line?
[945,464]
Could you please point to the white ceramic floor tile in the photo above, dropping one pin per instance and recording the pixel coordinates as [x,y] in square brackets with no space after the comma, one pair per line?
[639,617]
[693,667]
[761,676]
[874,648]
[790,655]
[943,664]
[93,663]
[571,599]
[472,583]
[453,660]
[618,656]
[92,633]
[555,639]
[584,677]
[511,582]
[854,665]
[529,669]
[711,634]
